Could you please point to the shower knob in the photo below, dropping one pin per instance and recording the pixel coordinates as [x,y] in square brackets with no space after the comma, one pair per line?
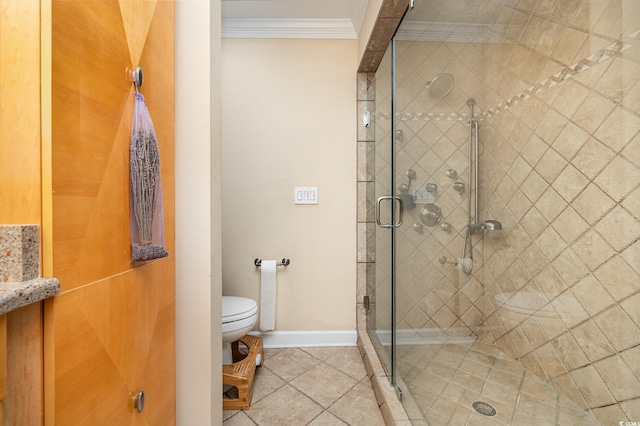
[458,187]
[431,215]
[451,174]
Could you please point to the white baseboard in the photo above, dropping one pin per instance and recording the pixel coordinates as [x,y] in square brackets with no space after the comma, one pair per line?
[307,338]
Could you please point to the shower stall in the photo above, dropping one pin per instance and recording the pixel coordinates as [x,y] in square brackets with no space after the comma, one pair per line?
[503,256]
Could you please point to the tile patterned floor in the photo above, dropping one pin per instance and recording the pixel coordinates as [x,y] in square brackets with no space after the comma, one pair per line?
[444,380]
[310,386]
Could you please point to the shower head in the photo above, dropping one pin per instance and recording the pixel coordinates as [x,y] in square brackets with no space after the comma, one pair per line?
[492,225]
[441,85]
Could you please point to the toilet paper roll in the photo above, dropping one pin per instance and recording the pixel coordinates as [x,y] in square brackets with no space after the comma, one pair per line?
[268,295]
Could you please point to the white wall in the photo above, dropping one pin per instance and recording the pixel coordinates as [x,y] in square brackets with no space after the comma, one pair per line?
[288,119]
[198,195]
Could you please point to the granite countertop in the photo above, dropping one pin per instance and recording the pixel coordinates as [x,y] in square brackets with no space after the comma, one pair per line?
[14,295]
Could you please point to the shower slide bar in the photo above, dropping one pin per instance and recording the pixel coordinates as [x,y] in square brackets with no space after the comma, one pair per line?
[472,215]
[474,224]
[283,262]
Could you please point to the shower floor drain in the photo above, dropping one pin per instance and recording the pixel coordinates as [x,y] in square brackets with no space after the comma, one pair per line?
[484,408]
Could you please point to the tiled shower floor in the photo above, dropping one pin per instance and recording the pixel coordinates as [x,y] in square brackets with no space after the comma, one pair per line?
[445,379]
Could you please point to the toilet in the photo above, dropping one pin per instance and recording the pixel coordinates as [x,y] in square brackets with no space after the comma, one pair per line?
[239,315]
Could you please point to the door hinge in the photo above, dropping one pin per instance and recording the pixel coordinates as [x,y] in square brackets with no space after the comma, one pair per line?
[410,4]
[365,300]
[399,393]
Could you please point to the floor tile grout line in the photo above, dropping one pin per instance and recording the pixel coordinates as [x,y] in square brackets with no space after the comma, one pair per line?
[321,413]
[517,403]
[357,382]
[336,400]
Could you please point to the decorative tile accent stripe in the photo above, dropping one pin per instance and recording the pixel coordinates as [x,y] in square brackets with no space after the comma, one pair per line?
[427,116]
[584,64]
[564,74]
[435,116]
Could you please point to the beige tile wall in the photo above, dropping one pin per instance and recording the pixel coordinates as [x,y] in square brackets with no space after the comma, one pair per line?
[562,173]
[559,168]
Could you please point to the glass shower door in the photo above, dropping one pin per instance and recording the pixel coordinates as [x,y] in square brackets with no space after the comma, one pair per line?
[380,273]
[416,303]
[418,157]
[434,314]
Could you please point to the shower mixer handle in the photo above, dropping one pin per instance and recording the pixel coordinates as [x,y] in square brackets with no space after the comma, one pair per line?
[459,187]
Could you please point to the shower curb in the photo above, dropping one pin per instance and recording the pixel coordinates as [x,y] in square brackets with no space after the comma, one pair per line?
[391,408]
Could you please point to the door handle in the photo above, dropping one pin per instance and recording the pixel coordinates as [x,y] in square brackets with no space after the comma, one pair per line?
[138,402]
[400,212]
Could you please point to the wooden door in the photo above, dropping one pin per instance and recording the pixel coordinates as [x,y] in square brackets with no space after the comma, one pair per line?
[110,333]
[114,339]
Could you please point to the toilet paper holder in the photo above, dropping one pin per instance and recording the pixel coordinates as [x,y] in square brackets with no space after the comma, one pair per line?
[284,262]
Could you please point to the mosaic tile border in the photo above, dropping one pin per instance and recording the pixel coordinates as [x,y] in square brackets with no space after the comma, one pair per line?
[426,116]
[565,74]
[582,65]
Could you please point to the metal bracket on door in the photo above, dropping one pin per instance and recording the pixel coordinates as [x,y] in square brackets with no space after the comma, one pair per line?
[389,225]
[399,393]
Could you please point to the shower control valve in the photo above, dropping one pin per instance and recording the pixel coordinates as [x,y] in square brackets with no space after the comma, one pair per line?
[451,174]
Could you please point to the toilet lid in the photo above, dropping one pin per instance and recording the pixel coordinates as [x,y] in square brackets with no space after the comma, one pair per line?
[237,308]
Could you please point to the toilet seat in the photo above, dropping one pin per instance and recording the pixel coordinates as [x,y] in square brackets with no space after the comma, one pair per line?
[237,312]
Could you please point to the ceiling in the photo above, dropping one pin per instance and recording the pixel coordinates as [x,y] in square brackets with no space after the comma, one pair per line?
[338,19]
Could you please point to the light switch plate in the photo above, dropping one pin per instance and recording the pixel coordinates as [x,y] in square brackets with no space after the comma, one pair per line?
[305,195]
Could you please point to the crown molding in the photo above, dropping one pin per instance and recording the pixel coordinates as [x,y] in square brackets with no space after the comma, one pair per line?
[288,28]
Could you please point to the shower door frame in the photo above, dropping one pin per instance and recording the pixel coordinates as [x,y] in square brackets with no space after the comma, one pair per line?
[394,216]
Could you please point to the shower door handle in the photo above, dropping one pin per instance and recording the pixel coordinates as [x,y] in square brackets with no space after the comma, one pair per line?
[400,212]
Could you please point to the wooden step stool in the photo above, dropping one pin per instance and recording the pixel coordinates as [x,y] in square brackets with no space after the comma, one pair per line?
[241,373]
